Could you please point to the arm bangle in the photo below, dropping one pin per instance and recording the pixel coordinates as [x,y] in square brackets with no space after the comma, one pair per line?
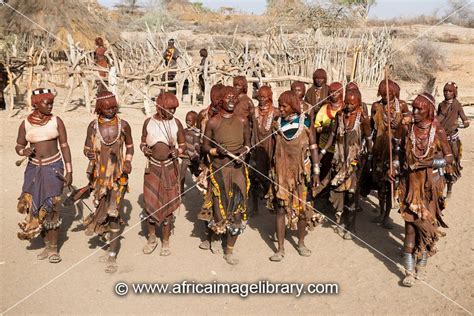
[439,163]
[323,151]
[68,167]
[313,146]
[396,164]
[64,145]
[128,157]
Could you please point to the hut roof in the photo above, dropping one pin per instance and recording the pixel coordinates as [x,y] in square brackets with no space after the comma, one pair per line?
[83,19]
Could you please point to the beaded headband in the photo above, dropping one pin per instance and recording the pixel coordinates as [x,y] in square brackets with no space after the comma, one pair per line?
[424,96]
[105,97]
[451,83]
[41,91]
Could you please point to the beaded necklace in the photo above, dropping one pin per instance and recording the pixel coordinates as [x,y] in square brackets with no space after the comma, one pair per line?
[414,142]
[269,120]
[329,111]
[301,126]
[342,128]
[119,128]
[36,119]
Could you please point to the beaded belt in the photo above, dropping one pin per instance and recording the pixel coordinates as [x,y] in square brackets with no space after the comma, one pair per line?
[164,163]
[46,161]
[454,137]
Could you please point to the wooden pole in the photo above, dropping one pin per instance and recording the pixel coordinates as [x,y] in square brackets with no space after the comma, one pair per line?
[390,154]
[29,85]
[11,89]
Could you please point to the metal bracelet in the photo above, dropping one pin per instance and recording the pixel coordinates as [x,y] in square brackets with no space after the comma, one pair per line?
[439,163]
[323,151]
[316,169]
[396,163]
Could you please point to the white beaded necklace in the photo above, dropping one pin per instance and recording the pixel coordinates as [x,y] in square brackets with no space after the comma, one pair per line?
[268,123]
[430,141]
[341,129]
[119,128]
[301,126]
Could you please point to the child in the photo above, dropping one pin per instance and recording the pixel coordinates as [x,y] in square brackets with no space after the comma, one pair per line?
[190,158]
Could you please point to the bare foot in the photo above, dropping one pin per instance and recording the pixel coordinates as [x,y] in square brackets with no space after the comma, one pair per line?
[216,247]
[165,249]
[303,251]
[278,256]
[112,266]
[347,235]
[409,279]
[205,245]
[150,245]
[231,259]
[43,254]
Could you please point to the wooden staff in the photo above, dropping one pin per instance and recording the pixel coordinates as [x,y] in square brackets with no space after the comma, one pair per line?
[390,155]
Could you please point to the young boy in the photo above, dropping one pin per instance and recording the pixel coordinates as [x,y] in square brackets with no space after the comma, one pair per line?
[190,158]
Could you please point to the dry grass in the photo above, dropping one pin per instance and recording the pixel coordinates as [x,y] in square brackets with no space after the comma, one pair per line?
[420,62]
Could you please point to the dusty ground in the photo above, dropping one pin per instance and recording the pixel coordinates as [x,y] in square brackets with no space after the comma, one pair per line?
[369,280]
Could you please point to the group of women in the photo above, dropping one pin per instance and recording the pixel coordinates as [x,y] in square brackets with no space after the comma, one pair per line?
[320,144]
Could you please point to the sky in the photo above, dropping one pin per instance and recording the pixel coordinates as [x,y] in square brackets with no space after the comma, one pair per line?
[383,9]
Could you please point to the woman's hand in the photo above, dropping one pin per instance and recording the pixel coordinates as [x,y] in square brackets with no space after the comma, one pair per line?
[68,179]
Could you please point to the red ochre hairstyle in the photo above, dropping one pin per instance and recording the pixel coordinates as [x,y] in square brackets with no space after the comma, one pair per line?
[41,94]
[265,91]
[215,94]
[99,41]
[320,74]
[167,100]
[297,84]
[104,100]
[242,81]
[426,101]
[355,94]
[289,97]
[393,87]
[451,86]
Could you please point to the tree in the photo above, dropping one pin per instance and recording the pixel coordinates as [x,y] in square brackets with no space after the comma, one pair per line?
[361,6]
[130,4]
[461,13]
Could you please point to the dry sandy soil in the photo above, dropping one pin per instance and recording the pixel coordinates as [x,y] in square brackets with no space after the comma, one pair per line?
[365,269]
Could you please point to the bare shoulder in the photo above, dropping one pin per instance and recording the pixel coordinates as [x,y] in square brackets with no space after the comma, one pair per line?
[403,106]
[125,123]
[242,120]
[364,116]
[276,112]
[213,121]
[178,122]
[22,124]
[59,120]
[375,107]
[91,125]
